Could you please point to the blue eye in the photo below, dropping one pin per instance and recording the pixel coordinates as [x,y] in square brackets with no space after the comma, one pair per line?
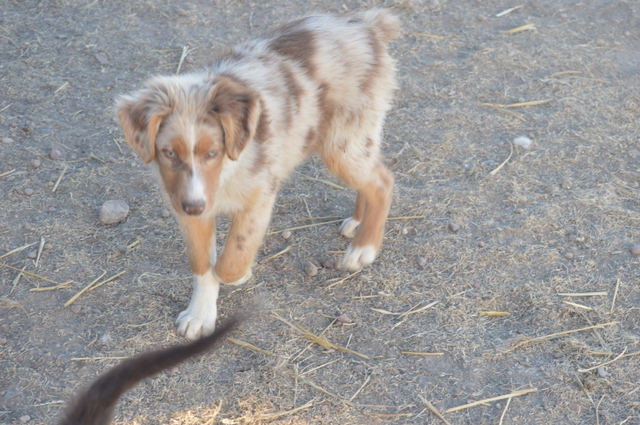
[212,154]
[169,154]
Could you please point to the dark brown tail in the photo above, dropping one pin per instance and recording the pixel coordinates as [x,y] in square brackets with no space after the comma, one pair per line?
[95,406]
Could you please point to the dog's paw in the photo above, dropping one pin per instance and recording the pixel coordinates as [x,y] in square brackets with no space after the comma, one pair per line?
[349,227]
[199,319]
[357,257]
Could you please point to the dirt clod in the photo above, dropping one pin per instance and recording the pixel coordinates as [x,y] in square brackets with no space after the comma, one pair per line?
[635,249]
[24,419]
[310,269]
[75,308]
[7,140]
[32,254]
[566,184]
[55,154]
[114,211]
[480,244]
[343,318]
[28,191]
[568,255]
[422,262]
[519,211]
[35,163]
[453,227]
[165,214]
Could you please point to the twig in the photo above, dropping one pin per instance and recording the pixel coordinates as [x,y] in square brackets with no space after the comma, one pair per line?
[118,145]
[6,107]
[585,390]
[63,285]
[437,37]
[505,12]
[433,410]
[409,217]
[55,186]
[343,279]
[39,250]
[418,353]
[366,381]
[494,313]
[90,359]
[304,227]
[13,251]
[577,305]
[28,273]
[559,334]
[268,416]
[493,173]
[6,173]
[605,363]
[249,346]
[615,294]
[114,277]
[330,394]
[185,52]
[519,29]
[486,400]
[82,291]
[62,87]
[598,407]
[505,410]
[16,280]
[287,249]
[6,302]
[583,294]
[328,183]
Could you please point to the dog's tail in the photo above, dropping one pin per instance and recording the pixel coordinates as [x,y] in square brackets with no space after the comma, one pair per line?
[95,405]
[383,22]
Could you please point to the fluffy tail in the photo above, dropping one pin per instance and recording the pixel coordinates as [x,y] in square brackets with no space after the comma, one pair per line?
[383,22]
[95,406]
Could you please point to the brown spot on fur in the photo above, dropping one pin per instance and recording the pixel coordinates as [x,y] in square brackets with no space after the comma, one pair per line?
[297,44]
[377,50]
[290,80]
[310,142]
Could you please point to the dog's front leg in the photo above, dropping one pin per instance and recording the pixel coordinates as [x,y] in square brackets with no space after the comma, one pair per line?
[245,236]
[199,319]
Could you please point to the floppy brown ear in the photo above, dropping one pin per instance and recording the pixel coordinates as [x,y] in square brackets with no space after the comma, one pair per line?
[238,108]
[140,116]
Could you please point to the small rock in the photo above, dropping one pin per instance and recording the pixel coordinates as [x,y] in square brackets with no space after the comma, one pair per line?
[3,341]
[269,244]
[55,154]
[123,299]
[601,372]
[35,163]
[480,244]
[635,249]
[75,309]
[422,262]
[566,184]
[556,354]
[482,19]
[101,58]
[49,184]
[522,141]
[600,42]
[122,249]
[329,263]
[174,370]
[575,407]
[24,419]
[568,256]
[405,231]
[106,338]
[165,214]
[61,36]
[32,255]
[364,278]
[286,234]
[113,211]
[343,318]
[378,304]
[7,140]
[52,209]
[519,211]
[310,269]
[453,227]
[28,191]
[282,211]
[47,246]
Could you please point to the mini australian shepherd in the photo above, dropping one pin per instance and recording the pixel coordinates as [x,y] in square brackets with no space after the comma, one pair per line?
[221,140]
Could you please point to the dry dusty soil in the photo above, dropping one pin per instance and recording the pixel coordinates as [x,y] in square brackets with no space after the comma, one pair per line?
[468,299]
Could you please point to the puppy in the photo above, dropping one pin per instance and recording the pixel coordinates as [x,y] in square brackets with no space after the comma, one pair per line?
[221,140]
[95,405]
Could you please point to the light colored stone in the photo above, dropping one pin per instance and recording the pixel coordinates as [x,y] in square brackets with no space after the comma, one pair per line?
[114,211]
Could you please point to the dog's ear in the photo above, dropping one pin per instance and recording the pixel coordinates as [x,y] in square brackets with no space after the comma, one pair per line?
[238,109]
[140,115]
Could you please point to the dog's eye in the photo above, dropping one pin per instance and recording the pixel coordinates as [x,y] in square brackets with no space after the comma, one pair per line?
[169,154]
[211,154]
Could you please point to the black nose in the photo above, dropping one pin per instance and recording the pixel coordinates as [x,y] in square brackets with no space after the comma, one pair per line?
[193,207]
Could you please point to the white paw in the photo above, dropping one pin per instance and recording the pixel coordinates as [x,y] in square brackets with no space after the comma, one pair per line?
[357,257]
[349,227]
[199,319]
[240,281]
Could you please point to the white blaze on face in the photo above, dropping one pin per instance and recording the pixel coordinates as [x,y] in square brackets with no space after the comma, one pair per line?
[196,188]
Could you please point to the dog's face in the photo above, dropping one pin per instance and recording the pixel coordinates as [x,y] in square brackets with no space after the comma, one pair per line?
[190,127]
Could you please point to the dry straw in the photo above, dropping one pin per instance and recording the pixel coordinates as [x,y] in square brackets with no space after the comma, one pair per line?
[487,400]
[249,346]
[525,27]
[433,410]
[269,416]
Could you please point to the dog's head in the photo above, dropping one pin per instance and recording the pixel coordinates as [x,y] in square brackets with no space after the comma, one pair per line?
[190,127]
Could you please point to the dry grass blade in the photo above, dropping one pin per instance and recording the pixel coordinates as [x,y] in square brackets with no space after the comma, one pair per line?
[487,400]
[6,173]
[306,372]
[343,279]
[7,303]
[558,74]
[249,346]
[506,12]
[329,393]
[494,172]
[584,307]
[433,410]
[185,52]
[83,290]
[13,251]
[529,103]
[409,217]
[287,249]
[39,250]
[5,108]
[421,309]
[393,415]
[494,313]
[320,218]
[615,294]
[268,416]
[565,333]
[55,186]
[304,227]
[28,273]
[364,384]
[381,311]
[328,183]
[519,29]
[437,37]
[62,87]
[63,285]
[621,355]
[419,353]
[505,111]
[114,277]
[504,411]
[583,294]
[320,340]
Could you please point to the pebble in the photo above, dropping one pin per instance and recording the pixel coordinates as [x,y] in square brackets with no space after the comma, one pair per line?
[24,419]
[113,211]
[405,231]
[454,227]
[482,19]
[7,140]
[47,246]
[75,309]
[3,341]
[123,299]
[35,163]
[49,184]
[165,214]
[601,372]
[522,141]
[568,256]
[55,154]
[286,234]
[422,262]
[519,211]
[481,244]
[556,354]
[566,184]
[101,58]
[28,191]
[364,278]
[310,269]
[343,318]
[635,249]
[32,254]
[52,209]
[329,263]
[174,370]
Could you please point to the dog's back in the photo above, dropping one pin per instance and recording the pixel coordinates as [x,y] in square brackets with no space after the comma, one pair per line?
[95,405]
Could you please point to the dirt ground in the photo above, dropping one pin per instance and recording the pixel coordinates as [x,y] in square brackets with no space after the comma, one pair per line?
[481,225]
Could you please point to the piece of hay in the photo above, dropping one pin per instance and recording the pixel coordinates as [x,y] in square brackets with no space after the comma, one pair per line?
[328,183]
[433,410]
[287,249]
[63,285]
[621,355]
[487,400]
[185,52]
[114,277]
[249,346]
[342,279]
[577,305]
[564,333]
[418,353]
[494,172]
[437,37]
[92,359]
[82,291]
[505,410]
[519,29]
[7,303]
[583,294]
[330,394]
[55,186]
[269,416]
[13,251]
[28,273]
[304,227]
[507,11]
[615,294]
[494,313]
